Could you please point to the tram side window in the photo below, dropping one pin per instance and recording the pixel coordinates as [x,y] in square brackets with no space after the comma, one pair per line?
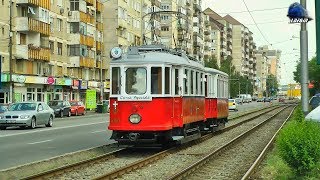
[192,83]
[201,84]
[136,81]
[197,83]
[167,81]
[176,84]
[116,80]
[156,80]
[185,81]
[206,85]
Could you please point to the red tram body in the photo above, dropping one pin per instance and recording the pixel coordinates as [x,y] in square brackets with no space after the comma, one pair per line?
[159,96]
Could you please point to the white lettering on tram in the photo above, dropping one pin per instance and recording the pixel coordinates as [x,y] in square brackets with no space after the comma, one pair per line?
[135,98]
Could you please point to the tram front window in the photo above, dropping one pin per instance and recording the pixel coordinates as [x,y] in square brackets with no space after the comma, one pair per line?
[136,81]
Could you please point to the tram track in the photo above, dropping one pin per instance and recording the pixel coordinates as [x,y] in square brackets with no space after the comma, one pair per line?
[153,170]
[82,168]
[232,160]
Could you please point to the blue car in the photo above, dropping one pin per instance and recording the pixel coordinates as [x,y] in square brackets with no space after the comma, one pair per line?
[315,101]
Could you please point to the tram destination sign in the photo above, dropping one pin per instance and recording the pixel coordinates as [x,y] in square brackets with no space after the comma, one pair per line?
[135,98]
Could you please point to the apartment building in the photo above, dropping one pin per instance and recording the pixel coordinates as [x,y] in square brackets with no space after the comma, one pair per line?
[212,43]
[128,23]
[173,28]
[226,41]
[262,67]
[57,49]
[243,48]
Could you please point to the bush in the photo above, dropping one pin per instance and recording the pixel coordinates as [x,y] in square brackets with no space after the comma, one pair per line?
[298,114]
[299,144]
[276,168]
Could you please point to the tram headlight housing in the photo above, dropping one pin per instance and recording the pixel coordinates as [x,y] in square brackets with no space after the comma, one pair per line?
[135,118]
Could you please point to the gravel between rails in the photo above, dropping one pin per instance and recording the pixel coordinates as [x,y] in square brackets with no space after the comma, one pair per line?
[175,162]
[94,169]
[243,153]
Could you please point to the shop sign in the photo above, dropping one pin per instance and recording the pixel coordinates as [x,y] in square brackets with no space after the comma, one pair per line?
[107,84]
[50,80]
[75,84]
[36,80]
[83,84]
[92,84]
[63,82]
[91,99]
[19,78]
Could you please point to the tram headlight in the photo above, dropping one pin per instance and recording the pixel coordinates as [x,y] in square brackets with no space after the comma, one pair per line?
[135,118]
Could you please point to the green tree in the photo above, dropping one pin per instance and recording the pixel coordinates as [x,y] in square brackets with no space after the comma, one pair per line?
[272,85]
[314,75]
[211,63]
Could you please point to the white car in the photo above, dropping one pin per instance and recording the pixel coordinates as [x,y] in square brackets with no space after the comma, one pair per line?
[314,114]
[233,105]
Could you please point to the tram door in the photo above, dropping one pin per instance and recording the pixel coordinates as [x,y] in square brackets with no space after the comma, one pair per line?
[177,100]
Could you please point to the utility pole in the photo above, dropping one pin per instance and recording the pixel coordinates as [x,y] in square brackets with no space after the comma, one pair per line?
[304,62]
[10,55]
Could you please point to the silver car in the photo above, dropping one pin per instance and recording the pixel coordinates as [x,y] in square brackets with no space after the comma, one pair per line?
[27,114]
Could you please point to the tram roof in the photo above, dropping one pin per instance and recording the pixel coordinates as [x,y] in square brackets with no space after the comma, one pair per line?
[151,57]
[210,70]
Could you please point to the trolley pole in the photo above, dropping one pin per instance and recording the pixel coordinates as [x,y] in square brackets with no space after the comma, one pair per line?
[11,93]
[304,62]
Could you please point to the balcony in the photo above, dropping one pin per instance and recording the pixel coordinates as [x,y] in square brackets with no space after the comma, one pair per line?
[87,62]
[87,18]
[29,24]
[99,26]
[99,46]
[37,53]
[90,2]
[99,7]
[86,40]
[32,52]
[41,3]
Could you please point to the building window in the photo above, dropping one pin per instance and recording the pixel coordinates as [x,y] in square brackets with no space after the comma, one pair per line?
[51,24]
[165,28]
[60,24]
[51,46]
[59,48]
[74,5]
[39,68]
[23,39]
[2,30]
[74,50]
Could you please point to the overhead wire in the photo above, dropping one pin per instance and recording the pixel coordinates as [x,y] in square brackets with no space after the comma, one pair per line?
[255,23]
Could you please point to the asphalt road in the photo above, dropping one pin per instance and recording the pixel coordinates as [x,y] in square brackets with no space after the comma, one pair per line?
[21,146]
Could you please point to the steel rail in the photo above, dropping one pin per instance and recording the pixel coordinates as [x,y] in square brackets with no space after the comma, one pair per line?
[143,162]
[52,172]
[139,164]
[187,171]
[265,150]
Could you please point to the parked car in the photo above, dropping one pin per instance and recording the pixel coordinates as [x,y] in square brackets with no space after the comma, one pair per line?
[3,108]
[314,101]
[260,100]
[77,107]
[233,105]
[61,108]
[27,114]
[314,115]
[267,99]
[239,101]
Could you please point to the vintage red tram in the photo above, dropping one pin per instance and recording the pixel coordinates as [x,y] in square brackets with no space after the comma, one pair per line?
[158,95]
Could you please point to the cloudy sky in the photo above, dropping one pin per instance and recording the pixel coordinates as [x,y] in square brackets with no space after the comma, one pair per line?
[270,16]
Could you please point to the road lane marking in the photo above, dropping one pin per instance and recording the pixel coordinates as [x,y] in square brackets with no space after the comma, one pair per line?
[52,129]
[39,142]
[98,131]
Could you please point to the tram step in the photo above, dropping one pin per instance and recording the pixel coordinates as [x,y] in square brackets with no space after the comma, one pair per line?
[177,138]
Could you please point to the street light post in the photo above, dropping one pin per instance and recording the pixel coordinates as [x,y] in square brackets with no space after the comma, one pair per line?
[304,62]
